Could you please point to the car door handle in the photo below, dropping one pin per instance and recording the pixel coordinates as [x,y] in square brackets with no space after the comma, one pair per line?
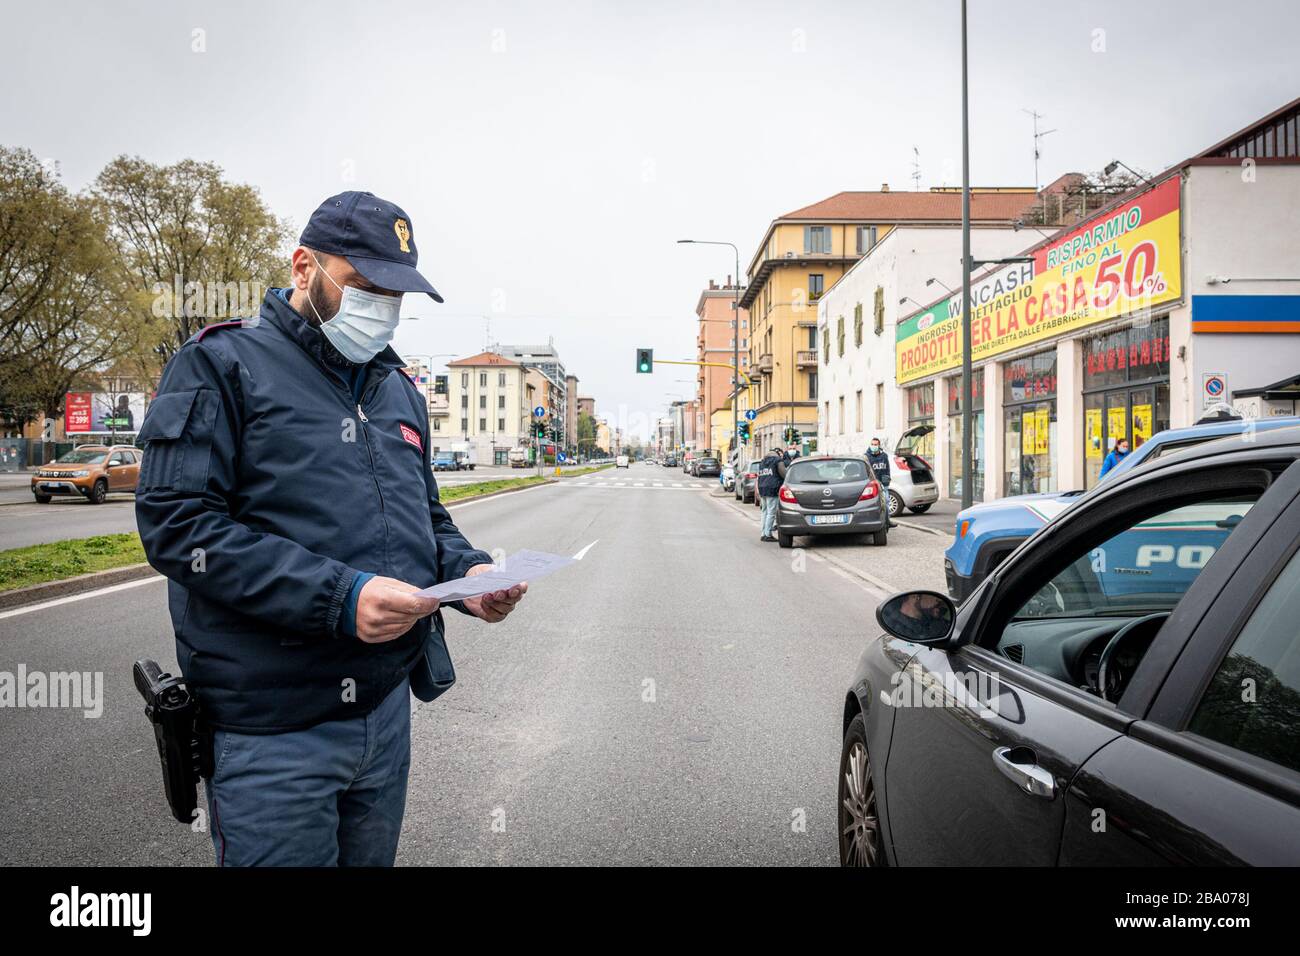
[1016,764]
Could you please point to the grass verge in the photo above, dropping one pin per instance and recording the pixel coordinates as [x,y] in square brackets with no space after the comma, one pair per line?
[40,563]
[584,471]
[454,492]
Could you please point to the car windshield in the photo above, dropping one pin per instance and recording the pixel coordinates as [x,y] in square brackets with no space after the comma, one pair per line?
[826,471]
[83,457]
[444,456]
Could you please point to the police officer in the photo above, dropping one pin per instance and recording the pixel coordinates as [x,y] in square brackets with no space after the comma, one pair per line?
[879,462]
[771,473]
[286,495]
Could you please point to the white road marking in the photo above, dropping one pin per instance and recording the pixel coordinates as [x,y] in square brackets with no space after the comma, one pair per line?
[72,598]
[583,553]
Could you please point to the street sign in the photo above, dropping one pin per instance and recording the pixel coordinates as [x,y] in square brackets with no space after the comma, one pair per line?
[1214,388]
[539,411]
[562,457]
[751,415]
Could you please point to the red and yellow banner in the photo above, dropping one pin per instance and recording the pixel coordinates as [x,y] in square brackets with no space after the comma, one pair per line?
[1123,261]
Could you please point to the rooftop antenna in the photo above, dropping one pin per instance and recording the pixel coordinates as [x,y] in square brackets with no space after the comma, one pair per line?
[916,169]
[1037,150]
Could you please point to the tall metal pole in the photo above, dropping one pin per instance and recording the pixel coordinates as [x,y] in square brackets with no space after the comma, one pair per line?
[735,361]
[967,439]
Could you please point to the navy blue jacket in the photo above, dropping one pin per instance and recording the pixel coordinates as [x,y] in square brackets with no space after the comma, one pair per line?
[769,478]
[266,489]
[879,463]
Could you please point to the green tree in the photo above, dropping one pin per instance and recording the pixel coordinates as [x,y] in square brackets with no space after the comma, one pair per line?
[60,315]
[185,227]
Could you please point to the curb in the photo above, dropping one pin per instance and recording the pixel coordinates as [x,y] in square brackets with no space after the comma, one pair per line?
[36,593]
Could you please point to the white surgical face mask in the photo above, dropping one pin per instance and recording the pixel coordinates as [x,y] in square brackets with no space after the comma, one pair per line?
[364,324]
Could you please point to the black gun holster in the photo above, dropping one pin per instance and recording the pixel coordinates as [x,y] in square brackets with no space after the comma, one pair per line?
[183,737]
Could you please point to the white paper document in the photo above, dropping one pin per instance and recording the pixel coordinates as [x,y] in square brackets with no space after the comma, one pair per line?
[515,569]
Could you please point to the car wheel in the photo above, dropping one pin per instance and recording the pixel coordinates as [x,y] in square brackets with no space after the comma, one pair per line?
[860,843]
[785,540]
[895,504]
[880,538]
[43,499]
[920,509]
[99,492]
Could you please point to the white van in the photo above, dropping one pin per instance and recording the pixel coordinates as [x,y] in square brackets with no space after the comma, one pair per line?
[622,462]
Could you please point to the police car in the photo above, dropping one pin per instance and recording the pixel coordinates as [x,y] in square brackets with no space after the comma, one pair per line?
[986,533]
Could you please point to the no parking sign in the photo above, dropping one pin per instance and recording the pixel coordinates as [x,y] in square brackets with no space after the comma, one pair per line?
[1214,388]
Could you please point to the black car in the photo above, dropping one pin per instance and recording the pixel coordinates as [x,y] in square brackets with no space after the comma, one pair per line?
[1114,693]
[707,468]
[831,495]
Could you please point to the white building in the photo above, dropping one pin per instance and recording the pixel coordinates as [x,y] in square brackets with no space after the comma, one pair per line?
[489,407]
[1174,296]
[859,398]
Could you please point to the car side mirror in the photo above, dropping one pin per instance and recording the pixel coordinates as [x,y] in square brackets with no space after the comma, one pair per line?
[922,617]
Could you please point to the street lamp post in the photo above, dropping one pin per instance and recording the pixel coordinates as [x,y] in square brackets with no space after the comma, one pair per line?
[735,337]
[967,439]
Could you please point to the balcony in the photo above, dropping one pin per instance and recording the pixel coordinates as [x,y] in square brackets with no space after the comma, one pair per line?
[764,363]
[806,359]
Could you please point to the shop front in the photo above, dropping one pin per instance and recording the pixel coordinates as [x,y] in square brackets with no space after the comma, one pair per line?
[1029,436]
[1125,390]
[955,459]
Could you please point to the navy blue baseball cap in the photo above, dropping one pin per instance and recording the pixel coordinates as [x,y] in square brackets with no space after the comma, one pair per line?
[374,235]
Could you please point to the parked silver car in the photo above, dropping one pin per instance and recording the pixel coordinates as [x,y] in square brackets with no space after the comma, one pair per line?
[911,482]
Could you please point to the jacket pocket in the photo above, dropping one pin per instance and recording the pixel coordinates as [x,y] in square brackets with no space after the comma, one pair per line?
[177,440]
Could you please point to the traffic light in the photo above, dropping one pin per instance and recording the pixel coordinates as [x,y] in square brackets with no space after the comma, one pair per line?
[744,431]
[541,430]
[645,360]
[792,436]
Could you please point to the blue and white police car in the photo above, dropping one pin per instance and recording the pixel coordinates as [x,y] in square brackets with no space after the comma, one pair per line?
[985,534]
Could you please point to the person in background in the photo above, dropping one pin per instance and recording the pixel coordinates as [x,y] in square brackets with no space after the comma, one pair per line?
[771,473]
[879,462]
[1117,454]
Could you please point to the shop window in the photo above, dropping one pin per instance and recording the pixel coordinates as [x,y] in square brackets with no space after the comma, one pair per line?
[1029,425]
[956,462]
[1126,391]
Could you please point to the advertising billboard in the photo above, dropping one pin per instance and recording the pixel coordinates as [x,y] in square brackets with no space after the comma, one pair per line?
[103,413]
[1125,260]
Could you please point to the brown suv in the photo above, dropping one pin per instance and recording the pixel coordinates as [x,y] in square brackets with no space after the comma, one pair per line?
[91,471]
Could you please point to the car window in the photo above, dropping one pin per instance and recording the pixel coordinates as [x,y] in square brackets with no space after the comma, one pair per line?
[1253,701]
[80,457]
[827,471]
[1145,568]
[116,459]
[1173,447]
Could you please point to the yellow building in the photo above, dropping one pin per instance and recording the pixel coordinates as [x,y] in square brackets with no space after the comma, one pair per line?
[720,427]
[804,253]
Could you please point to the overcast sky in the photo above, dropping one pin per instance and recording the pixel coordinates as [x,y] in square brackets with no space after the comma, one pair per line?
[550,153]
